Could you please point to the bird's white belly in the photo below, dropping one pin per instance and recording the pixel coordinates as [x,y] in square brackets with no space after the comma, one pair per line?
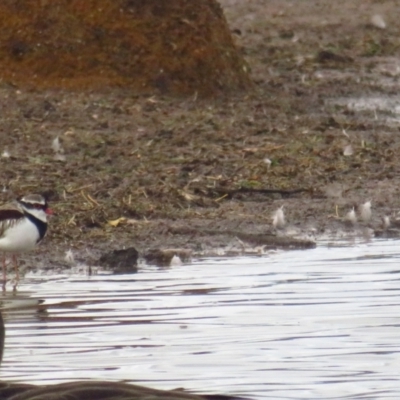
[20,237]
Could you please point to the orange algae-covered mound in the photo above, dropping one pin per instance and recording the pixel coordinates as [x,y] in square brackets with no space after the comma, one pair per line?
[151,46]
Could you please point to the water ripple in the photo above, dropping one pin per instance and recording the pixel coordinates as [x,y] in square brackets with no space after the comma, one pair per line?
[315,324]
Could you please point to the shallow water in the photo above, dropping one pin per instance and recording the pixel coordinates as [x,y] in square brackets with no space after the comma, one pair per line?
[315,324]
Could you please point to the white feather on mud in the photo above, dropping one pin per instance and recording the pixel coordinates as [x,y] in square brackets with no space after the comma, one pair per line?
[351,216]
[365,211]
[378,21]
[5,154]
[386,222]
[175,261]
[278,218]
[58,150]
[56,145]
[268,162]
[348,150]
[69,257]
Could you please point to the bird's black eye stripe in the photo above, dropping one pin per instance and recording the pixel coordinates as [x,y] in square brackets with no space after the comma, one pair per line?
[36,206]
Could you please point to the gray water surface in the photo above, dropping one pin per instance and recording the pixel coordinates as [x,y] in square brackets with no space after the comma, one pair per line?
[315,324]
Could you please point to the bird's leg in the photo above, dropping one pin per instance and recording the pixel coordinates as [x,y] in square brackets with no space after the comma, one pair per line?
[4,273]
[14,257]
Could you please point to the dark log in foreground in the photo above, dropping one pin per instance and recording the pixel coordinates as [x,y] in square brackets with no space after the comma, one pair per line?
[92,390]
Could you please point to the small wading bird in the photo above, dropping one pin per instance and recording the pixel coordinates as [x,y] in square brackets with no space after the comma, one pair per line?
[92,390]
[23,225]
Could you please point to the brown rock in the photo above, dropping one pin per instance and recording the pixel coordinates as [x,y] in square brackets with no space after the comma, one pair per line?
[178,46]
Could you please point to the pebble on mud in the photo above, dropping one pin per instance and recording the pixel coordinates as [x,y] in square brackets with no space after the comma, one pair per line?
[120,261]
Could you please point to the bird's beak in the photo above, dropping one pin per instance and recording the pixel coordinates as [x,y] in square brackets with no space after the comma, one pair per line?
[49,211]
